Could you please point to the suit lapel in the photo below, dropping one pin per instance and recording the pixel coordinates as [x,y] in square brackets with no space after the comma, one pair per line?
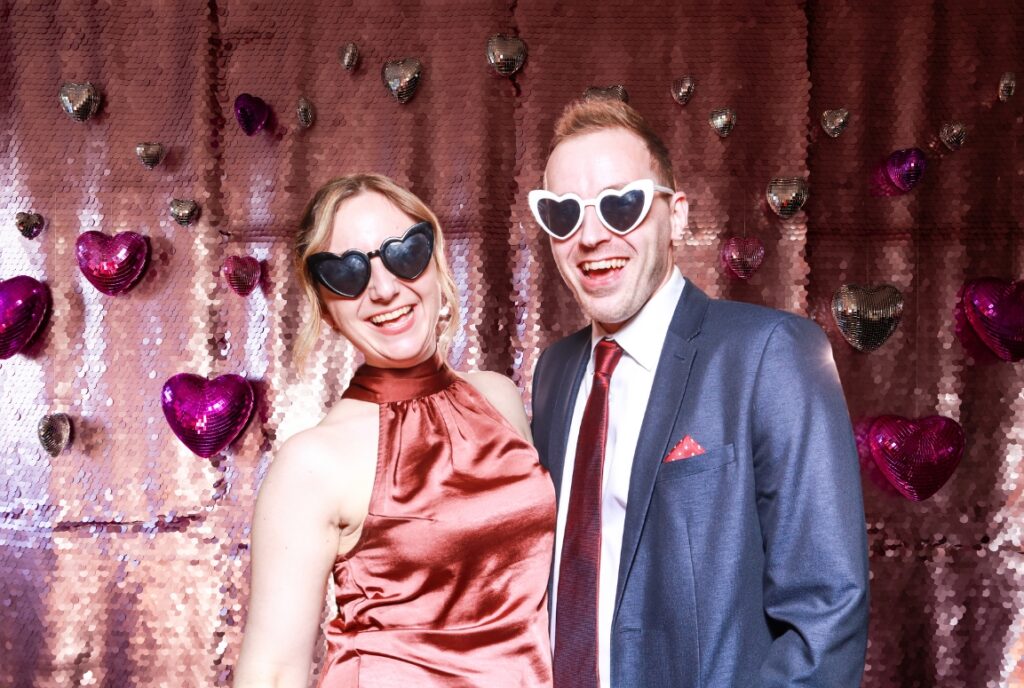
[663,409]
[568,380]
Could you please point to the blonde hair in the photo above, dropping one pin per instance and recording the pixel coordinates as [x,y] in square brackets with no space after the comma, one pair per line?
[594,114]
[315,235]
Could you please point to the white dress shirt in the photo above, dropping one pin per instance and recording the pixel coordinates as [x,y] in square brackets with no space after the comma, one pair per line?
[641,339]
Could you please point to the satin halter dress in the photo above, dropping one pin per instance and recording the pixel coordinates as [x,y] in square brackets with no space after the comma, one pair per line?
[447,584]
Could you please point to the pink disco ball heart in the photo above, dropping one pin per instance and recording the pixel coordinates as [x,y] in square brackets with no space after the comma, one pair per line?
[868,467]
[742,256]
[251,112]
[994,308]
[905,168]
[917,456]
[207,415]
[969,339]
[24,303]
[112,264]
[242,273]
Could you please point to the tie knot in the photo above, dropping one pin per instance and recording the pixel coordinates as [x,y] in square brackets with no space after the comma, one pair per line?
[606,357]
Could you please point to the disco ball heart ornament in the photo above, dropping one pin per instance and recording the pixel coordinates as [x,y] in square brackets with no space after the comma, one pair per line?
[80,101]
[24,303]
[613,92]
[834,121]
[112,264]
[252,113]
[1007,86]
[54,432]
[29,224]
[184,211]
[207,415]
[402,77]
[953,135]
[995,311]
[868,467]
[970,341]
[305,113]
[867,316]
[150,154]
[722,121]
[916,456]
[242,273]
[506,54]
[742,256]
[348,55]
[786,195]
[682,89]
[904,168]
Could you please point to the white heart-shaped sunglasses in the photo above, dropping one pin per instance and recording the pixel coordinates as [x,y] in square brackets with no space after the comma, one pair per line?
[620,210]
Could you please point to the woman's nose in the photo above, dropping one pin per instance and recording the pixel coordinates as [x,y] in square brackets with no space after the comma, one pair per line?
[383,285]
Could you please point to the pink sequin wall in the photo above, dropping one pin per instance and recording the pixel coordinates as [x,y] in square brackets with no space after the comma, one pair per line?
[123,560]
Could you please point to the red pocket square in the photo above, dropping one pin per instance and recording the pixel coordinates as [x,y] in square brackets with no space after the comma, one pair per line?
[686,448]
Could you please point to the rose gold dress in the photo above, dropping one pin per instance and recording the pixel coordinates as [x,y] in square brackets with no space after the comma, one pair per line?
[447,585]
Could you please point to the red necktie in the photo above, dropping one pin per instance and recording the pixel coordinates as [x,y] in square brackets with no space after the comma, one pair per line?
[575,662]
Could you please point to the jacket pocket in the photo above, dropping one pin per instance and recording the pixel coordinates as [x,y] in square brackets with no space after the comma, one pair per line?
[708,461]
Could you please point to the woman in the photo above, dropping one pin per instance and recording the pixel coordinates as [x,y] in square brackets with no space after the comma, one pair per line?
[419,490]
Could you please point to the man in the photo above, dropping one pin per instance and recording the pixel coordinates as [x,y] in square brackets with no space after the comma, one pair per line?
[710,519]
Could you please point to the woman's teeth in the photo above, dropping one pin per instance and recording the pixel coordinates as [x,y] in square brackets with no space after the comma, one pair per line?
[392,315]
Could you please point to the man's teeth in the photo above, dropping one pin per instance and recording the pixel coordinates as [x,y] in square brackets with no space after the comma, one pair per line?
[393,315]
[604,264]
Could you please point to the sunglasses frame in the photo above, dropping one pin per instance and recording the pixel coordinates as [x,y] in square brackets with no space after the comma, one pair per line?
[648,186]
[314,261]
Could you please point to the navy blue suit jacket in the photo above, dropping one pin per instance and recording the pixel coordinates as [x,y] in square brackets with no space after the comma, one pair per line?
[745,565]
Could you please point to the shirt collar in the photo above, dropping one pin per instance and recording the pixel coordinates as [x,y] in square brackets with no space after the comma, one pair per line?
[643,337]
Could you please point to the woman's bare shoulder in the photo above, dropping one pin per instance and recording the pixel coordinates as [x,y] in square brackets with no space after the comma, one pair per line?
[339,439]
[503,395]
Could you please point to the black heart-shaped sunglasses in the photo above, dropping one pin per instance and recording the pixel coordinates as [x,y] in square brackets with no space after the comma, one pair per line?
[347,274]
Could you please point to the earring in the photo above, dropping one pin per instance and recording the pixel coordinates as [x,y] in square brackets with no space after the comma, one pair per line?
[444,316]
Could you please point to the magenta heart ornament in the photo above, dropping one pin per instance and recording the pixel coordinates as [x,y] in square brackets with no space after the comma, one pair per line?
[995,311]
[916,456]
[112,264]
[742,256]
[252,113]
[24,303]
[869,469]
[207,415]
[242,273]
[905,168]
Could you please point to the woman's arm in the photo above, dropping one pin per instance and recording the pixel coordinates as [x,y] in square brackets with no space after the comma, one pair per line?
[295,538]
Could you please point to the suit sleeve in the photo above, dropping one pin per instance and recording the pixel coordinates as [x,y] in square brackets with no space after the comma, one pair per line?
[812,514]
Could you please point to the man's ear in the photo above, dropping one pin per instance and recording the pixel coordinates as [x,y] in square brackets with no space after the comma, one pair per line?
[680,214]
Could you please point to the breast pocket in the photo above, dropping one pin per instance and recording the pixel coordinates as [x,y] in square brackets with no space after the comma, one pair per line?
[710,460]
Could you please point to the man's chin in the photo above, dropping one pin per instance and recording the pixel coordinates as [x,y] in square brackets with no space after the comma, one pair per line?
[611,315]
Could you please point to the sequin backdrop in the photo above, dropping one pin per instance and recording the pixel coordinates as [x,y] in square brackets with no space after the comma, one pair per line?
[123,561]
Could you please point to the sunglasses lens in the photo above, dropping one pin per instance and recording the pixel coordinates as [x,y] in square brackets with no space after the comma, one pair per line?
[346,275]
[408,258]
[558,217]
[622,211]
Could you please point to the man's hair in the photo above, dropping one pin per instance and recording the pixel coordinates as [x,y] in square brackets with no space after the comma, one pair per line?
[594,114]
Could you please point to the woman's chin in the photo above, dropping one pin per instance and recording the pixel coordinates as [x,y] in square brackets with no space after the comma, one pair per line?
[403,353]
